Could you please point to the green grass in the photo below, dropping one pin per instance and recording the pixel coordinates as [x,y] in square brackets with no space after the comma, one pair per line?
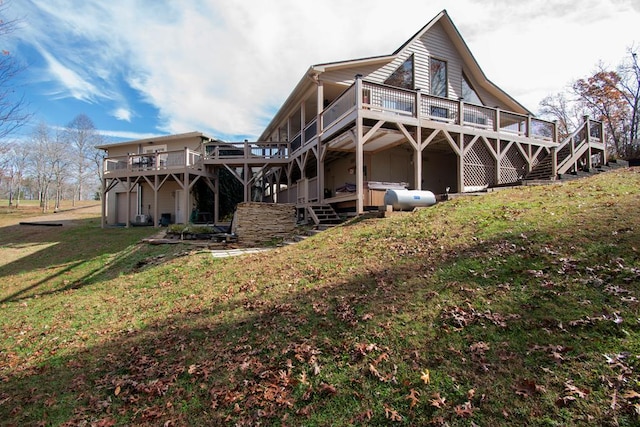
[522,305]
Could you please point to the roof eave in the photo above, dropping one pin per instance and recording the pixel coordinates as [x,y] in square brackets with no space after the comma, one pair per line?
[160,138]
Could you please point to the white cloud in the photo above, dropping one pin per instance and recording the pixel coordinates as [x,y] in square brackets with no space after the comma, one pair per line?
[122,114]
[124,135]
[224,68]
[70,80]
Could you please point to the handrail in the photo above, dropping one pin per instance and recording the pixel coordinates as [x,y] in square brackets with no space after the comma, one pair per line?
[569,139]
[339,107]
[151,161]
[247,150]
[310,130]
[413,103]
[389,98]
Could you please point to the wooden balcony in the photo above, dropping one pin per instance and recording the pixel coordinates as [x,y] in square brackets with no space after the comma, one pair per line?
[151,163]
[258,153]
[416,108]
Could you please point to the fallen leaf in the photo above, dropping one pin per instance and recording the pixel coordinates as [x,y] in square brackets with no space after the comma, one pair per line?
[465,410]
[438,401]
[413,397]
[528,388]
[392,414]
[426,376]
[631,394]
[328,389]
[117,391]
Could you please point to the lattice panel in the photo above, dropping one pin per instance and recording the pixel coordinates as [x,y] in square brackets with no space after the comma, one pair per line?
[479,166]
[512,166]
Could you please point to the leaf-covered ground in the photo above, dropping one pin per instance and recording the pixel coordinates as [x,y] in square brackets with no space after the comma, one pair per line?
[520,307]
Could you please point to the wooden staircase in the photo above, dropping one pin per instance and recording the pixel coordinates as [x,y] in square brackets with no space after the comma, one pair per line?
[323,216]
[568,156]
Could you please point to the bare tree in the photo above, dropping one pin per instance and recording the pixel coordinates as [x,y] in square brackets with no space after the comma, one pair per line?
[59,161]
[567,112]
[43,147]
[81,137]
[14,167]
[614,98]
[610,96]
[13,108]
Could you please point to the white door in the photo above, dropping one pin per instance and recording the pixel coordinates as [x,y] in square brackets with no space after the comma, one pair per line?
[180,218]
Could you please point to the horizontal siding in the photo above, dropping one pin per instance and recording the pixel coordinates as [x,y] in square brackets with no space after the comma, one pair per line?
[171,145]
[434,43]
[347,75]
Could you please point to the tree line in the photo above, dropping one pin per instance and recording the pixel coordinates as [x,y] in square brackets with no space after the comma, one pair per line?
[609,95]
[53,164]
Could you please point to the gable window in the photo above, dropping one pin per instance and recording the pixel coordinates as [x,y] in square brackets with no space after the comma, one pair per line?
[468,92]
[402,76]
[438,79]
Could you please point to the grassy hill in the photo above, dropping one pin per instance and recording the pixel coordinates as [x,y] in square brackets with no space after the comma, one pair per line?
[520,307]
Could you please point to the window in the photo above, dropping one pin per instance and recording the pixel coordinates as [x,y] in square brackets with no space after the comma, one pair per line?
[403,75]
[468,92]
[438,77]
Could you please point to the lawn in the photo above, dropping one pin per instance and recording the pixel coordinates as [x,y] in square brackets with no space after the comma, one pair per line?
[520,307]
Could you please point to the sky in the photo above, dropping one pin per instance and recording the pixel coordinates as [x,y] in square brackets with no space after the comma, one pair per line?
[143,68]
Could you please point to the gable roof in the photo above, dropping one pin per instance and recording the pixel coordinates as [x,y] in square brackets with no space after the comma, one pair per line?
[452,32]
[464,51]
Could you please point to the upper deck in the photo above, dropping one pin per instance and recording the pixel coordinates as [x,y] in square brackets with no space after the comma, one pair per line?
[370,101]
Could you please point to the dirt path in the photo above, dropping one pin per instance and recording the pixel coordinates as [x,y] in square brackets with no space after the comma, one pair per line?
[67,215]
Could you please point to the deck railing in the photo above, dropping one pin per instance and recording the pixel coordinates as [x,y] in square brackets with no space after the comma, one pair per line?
[388,98]
[247,150]
[439,109]
[479,116]
[339,107]
[152,161]
[310,131]
[413,103]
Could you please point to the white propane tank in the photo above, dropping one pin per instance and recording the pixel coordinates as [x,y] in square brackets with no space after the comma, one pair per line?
[409,199]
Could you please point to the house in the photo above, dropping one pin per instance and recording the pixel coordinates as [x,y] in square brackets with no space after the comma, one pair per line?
[424,117]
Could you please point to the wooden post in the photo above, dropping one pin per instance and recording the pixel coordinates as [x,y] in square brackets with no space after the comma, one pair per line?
[528,129]
[358,88]
[156,220]
[588,138]
[127,223]
[303,137]
[604,144]
[460,120]
[461,163]
[497,125]
[103,202]
[216,198]
[499,155]
[359,149]
[246,183]
[320,108]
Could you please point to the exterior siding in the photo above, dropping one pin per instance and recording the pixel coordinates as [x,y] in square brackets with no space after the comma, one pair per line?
[346,76]
[166,199]
[433,43]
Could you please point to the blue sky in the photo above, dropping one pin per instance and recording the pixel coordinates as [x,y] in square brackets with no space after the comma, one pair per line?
[141,68]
